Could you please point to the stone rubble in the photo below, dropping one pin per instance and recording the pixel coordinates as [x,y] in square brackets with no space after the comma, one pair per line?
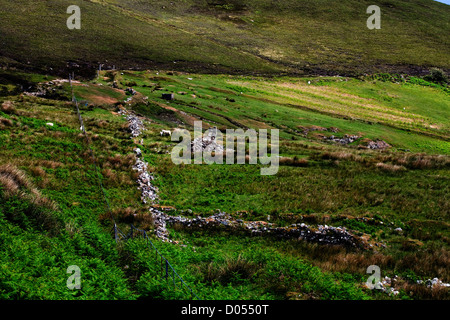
[131,91]
[435,282]
[306,130]
[386,285]
[159,220]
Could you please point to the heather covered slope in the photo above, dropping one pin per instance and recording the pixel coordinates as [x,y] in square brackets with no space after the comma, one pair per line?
[257,36]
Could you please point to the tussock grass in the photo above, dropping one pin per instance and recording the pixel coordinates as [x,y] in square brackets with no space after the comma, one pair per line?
[14,179]
[119,161]
[420,160]
[140,218]
[295,161]
[8,107]
[5,123]
[231,270]
[390,167]
[119,178]
[340,155]
[35,207]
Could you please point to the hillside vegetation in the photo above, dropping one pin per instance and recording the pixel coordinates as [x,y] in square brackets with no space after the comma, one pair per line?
[87,178]
[53,213]
[232,36]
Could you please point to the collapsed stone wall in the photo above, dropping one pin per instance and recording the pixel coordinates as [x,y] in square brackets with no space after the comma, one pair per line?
[321,234]
[144,180]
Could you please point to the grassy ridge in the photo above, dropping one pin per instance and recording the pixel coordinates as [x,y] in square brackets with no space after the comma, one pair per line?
[237,36]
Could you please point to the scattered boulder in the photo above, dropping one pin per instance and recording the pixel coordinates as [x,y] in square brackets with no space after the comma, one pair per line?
[307,129]
[333,129]
[130,91]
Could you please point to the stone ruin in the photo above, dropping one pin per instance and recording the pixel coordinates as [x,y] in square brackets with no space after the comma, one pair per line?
[376,145]
[207,143]
[347,139]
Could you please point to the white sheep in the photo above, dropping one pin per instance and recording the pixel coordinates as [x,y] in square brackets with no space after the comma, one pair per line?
[165,133]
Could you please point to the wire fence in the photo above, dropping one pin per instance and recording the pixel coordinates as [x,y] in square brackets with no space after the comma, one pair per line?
[166,270]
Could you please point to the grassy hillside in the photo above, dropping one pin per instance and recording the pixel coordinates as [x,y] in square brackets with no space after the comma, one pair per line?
[257,36]
[53,214]
[364,148]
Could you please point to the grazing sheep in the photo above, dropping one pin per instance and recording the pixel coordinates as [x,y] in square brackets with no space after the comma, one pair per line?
[165,133]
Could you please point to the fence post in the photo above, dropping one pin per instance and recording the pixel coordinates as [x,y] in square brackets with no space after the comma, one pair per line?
[167,270]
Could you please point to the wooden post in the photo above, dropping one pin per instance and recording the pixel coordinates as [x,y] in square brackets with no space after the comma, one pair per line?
[167,270]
